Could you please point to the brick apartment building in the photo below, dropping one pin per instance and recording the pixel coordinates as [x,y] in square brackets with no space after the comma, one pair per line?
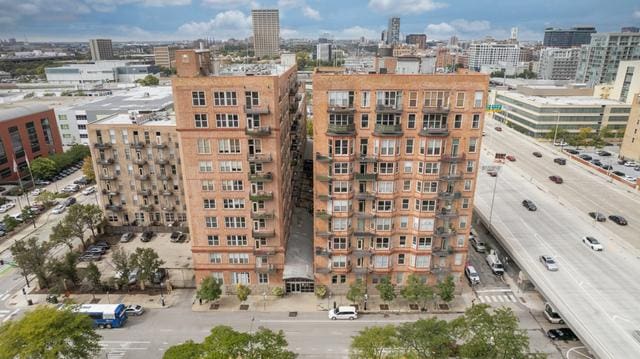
[136,159]
[395,165]
[26,132]
[240,132]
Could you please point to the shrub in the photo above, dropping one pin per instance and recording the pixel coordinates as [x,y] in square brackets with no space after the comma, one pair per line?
[278,292]
[321,291]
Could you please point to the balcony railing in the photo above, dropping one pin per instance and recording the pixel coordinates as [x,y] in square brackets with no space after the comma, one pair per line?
[366,195]
[434,131]
[147,207]
[137,145]
[106,161]
[346,108]
[440,270]
[261,196]
[323,158]
[258,131]
[388,130]
[324,197]
[445,232]
[144,192]
[168,208]
[160,145]
[142,177]
[107,177]
[324,234]
[260,157]
[167,192]
[367,158]
[265,268]
[162,161]
[265,250]
[113,192]
[365,215]
[263,233]
[452,158]
[102,145]
[113,207]
[366,176]
[449,195]
[359,253]
[381,108]
[260,177]
[338,130]
[441,251]
[323,252]
[262,215]
[451,176]
[256,110]
[164,176]
[361,270]
[140,162]
[435,109]
[323,214]
[442,214]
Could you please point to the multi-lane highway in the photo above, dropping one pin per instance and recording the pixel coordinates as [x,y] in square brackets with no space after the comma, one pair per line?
[597,293]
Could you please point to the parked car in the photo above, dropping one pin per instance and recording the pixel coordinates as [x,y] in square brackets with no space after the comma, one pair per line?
[7,206]
[477,244]
[71,188]
[37,208]
[621,161]
[619,173]
[596,162]
[472,275]
[630,178]
[95,249]
[146,236]
[36,192]
[103,244]
[126,237]
[630,164]
[556,179]
[606,167]
[603,153]
[549,263]
[492,173]
[81,181]
[561,334]
[176,236]
[511,158]
[89,190]
[528,204]
[573,152]
[537,154]
[41,182]
[134,309]
[598,216]
[498,128]
[551,313]
[133,275]
[618,219]
[560,143]
[592,243]
[69,201]
[90,257]
[343,312]
[585,157]
[59,209]
[560,161]
[636,168]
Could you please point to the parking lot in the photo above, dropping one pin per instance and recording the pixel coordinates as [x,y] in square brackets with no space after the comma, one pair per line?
[631,171]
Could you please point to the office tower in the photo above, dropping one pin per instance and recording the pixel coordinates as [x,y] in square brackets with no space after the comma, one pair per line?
[393,31]
[599,59]
[453,41]
[558,63]
[240,134]
[266,32]
[575,36]
[630,29]
[101,49]
[323,52]
[396,158]
[514,33]
[491,53]
[420,40]
[630,148]
[164,56]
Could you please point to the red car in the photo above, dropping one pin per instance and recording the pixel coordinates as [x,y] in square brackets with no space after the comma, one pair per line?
[492,173]
[511,158]
[498,128]
[556,179]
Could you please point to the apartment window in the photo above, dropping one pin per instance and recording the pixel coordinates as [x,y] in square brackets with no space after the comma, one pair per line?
[383,224]
[470,166]
[387,167]
[251,98]
[33,136]
[233,203]
[404,222]
[237,240]
[463,222]
[408,148]
[238,258]
[364,120]
[465,203]
[422,261]
[457,121]
[201,120]
[406,185]
[341,168]
[366,98]
[381,261]
[405,204]
[263,278]
[401,259]
[205,166]
[434,147]
[436,99]
[339,224]
[209,203]
[213,240]
[215,258]
[423,243]
[384,206]
[230,166]
[211,222]
[228,146]
[226,98]
[473,142]
[240,278]
[475,121]
[431,168]
[460,99]
[227,120]
[339,243]
[413,99]
[62,127]
[339,261]
[232,185]
[382,243]
[204,146]
[198,98]
[16,142]
[341,206]
[339,279]
[363,146]
[207,185]
[235,222]
[411,121]
[387,147]
[385,187]
[467,185]
[342,98]
[425,205]
[340,186]
[477,99]
[341,147]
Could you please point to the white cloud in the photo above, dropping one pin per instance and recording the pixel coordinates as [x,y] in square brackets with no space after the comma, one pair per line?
[355,32]
[636,14]
[229,4]
[166,2]
[463,25]
[289,33]
[441,28]
[13,12]
[311,13]
[225,25]
[405,6]
[290,3]
[307,11]
[458,27]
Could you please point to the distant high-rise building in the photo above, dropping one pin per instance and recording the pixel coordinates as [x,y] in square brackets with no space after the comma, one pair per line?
[575,36]
[600,59]
[383,36]
[558,64]
[514,33]
[630,29]
[453,41]
[420,40]
[266,32]
[101,49]
[323,52]
[164,56]
[491,53]
[393,31]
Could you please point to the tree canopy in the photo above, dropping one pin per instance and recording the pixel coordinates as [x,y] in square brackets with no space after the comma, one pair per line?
[210,289]
[43,167]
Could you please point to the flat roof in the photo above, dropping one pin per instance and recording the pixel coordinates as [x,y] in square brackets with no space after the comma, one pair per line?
[152,119]
[563,100]
[152,98]
[252,70]
[12,111]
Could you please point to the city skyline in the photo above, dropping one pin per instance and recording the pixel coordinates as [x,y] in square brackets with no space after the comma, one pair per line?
[79,20]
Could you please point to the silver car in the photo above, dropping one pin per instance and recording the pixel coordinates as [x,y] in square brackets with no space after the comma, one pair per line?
[549,263]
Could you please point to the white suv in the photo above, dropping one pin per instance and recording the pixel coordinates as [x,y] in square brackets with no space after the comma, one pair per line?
[346,312]
[592,243]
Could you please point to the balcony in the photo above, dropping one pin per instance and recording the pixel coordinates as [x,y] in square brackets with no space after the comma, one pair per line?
[260,157]
[345,108]
[345,269]
[102,145]
[324,197]
[452,158]
[168,208]
[323,270]
[265,268]
[446,213]
[366,195]
[361,270]
[263,233]
[324,234]
[323,178]
[113,207]
[388,130]
[359,253]
[258,131]
[362,233]
[146,207]
[365,215]
[323,214]
[137,145]
[366,176]
[435,109]
[256,110]
[453,176]
[262,215]
[265,250]
[162,161]
[105,161]
[440,270]
[323,252]
[323,158]
[340,130]
[142,177]
[445,232]
[397,108]
[107,177]
[160,145]
[167,192]
[144,192]
[113,192]
[260,177]
[434,131]
[261,196]
[441,252]
[140,162]
[164,176]
[449,195]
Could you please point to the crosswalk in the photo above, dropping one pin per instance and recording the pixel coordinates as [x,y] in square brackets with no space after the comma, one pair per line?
[118,349]
[499,298]
[4,296]
[6,314]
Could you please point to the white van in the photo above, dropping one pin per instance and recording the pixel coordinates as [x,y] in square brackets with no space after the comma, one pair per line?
[551,314]
[494,263]
[472,275]
[345,312]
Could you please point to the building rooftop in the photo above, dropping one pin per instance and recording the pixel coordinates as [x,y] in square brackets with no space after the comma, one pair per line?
[252,70]
[151,99]
[564,100]
[150,119]
[14,111]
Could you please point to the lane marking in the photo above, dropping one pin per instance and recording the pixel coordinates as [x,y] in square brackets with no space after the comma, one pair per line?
[11,315]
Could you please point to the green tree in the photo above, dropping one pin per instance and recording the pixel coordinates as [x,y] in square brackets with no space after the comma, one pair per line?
[92,217]
[210,289]
[266,343]
[387,290]
[224,342]
[243,292]
[310,127]
[356,291]
[49,333]
[148,262]
[427,339]
[43,167]
[186,350]
[584,136]
[46,198]
[374,343]
[417,291]
[149,80]
[446,289]
[92,275]
[87,169]
[61,234]
[122,263]
[82,217]
[561,134]
[303,60]
[10,223]
[31,257]
[65,269]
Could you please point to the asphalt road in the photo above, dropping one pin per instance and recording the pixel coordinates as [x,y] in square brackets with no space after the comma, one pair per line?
[597,293]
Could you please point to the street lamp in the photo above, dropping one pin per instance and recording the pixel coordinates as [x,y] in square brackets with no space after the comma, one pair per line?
[495,184]
[555,134]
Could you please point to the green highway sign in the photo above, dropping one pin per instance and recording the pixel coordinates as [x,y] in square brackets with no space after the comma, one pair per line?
[497,107]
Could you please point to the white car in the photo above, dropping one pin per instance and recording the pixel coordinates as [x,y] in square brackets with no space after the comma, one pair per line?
[630,178]
[36,192]
[344,312]
[71,188]
[59,209]
[549,263]
[7,206]
[592,243]
[134,309]
[89,190]
[630,164]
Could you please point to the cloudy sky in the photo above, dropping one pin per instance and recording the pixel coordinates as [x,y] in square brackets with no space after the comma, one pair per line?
[78,20]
